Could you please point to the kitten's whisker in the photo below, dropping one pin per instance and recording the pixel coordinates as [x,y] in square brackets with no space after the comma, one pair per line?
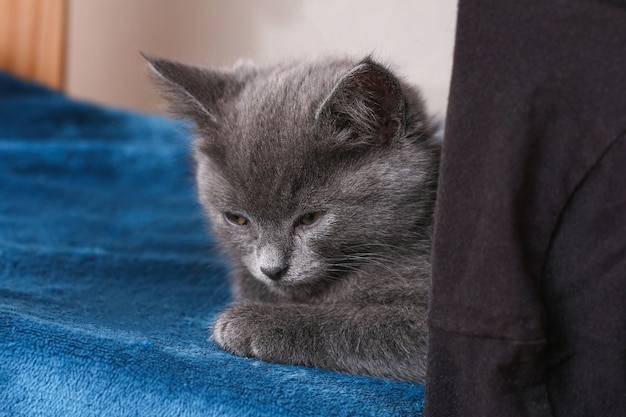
[356,267]
[378,261]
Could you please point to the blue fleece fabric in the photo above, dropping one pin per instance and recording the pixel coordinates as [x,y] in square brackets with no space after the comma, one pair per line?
[109,279]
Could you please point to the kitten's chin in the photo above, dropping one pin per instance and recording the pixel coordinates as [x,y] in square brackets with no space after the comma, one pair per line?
[282,283]
[297,290]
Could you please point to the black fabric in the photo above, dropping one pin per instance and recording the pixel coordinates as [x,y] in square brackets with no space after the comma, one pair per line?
[528,310]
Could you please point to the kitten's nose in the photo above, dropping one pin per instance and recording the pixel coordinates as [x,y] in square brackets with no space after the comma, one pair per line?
[274,273]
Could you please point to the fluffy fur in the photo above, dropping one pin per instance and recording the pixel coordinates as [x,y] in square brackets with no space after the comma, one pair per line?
[319,180]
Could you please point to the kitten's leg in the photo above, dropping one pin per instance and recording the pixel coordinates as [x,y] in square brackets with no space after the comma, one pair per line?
[387,341]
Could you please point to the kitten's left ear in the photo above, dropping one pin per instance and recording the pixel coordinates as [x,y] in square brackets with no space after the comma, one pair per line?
[368,103]
[192,92]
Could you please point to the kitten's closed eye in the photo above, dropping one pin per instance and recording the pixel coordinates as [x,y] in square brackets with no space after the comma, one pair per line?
[305,220]
[309,219]
[236,219]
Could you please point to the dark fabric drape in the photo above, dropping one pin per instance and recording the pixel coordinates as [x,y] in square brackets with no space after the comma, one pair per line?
[528,310]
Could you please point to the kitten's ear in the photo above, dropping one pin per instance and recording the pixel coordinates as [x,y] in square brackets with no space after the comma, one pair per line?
[367,103]
[191,92]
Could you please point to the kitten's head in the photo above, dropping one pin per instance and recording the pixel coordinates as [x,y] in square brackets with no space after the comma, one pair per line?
[302,169]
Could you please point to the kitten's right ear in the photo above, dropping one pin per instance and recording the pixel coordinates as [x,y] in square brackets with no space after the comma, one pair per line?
[368,104]
[191,92]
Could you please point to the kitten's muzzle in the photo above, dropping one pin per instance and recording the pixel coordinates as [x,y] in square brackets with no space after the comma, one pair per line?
[275,273]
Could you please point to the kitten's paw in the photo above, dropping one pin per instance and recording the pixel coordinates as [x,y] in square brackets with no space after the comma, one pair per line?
[232,331]
[255,330]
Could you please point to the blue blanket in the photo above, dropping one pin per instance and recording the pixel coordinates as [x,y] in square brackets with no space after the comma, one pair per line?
[109,279]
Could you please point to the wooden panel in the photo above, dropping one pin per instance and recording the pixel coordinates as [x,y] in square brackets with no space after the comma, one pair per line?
[32,39]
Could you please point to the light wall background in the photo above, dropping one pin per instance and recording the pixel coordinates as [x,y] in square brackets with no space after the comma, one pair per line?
[415,37]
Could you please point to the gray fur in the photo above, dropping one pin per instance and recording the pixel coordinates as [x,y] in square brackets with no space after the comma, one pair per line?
[343,138]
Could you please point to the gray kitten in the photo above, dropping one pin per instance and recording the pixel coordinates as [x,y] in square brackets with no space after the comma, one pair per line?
[319,180]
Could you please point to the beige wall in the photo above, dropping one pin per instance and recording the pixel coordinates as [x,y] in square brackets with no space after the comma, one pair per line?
[104,37]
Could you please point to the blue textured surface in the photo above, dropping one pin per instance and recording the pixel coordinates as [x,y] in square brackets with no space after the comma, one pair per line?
[109,280]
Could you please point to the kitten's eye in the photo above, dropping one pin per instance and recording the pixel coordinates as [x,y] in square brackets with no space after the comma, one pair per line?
[309,218]
[236,219]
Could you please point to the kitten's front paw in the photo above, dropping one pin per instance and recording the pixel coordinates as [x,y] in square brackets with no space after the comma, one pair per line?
[270,332]
[232,330]
[250,330]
